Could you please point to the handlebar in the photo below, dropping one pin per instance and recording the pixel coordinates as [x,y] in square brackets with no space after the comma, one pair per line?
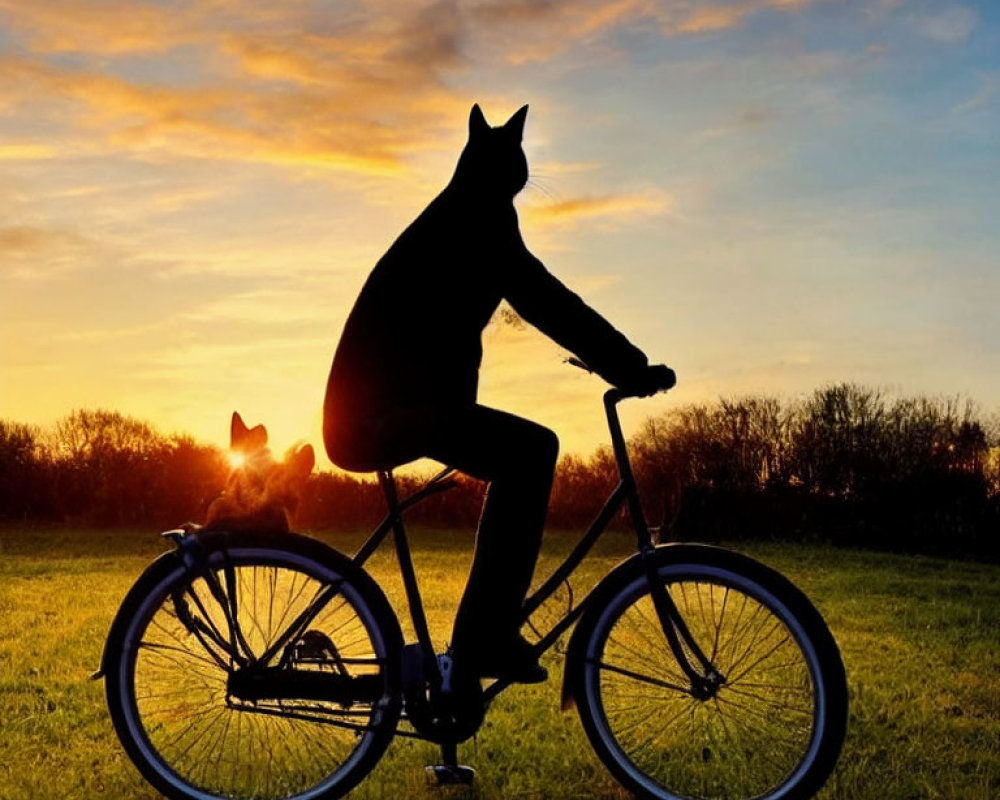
[660,379]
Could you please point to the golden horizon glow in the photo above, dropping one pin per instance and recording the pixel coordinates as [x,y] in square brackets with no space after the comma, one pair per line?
[769,195]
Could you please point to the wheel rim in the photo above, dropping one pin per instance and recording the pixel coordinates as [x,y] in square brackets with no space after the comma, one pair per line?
[175,693]
[760,732]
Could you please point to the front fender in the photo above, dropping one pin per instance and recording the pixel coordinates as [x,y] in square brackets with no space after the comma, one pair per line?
[623,574]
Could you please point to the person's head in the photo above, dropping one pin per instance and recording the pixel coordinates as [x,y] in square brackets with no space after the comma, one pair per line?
[493,160]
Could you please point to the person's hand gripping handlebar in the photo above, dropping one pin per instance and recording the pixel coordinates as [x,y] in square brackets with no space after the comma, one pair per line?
[650,380]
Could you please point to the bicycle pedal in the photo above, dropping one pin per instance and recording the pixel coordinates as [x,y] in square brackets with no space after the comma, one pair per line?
[450,775]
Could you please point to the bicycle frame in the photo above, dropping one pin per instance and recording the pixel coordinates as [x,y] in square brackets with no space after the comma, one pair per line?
[703,681]
[252,679]
[282,662]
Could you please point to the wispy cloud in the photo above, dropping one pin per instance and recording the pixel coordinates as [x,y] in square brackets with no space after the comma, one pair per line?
[280,307]
[353,86]
[27,151]
[536,31]
[361,95]
[247,354]
[985,96]
[222,122]
[36,253]
[22,239]
[608,209]
[96,336]
[694,17]
[98,26]
[946,25]
[171,201]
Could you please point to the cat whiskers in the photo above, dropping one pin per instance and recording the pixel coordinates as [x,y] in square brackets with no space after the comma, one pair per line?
[534,181]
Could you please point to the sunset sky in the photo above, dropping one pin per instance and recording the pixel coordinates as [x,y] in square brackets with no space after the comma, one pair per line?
[769,195]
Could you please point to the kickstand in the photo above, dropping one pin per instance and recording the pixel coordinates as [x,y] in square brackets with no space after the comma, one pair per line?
[450,772]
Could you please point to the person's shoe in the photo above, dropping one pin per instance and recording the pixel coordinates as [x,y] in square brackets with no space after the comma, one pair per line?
[515,661]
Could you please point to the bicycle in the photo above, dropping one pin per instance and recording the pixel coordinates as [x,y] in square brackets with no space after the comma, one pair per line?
[259,666]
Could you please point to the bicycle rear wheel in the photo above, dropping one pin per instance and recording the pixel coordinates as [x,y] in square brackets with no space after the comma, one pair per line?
[308,722]
[774,728]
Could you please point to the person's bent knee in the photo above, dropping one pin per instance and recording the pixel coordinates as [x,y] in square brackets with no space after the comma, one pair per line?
[550,447]
[525,450]
[544,448]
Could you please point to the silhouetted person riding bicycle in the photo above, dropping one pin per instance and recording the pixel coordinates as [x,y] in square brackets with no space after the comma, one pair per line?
[404,379]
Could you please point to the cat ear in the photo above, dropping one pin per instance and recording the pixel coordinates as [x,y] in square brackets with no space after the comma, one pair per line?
[477,122]
[237,430]
[515,125]
[246,439]
[301,462]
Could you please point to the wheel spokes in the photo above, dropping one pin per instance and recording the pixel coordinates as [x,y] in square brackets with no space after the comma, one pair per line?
[742,742]
[268,749]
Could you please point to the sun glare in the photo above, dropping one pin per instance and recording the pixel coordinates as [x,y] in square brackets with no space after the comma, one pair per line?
[237,460]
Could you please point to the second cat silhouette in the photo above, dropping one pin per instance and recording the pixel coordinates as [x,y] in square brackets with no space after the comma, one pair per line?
[261,493]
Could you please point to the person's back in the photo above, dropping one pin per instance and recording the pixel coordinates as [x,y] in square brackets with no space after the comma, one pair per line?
[404,379]
[412,338]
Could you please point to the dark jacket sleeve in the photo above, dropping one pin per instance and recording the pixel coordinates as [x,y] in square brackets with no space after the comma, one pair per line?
[541,299]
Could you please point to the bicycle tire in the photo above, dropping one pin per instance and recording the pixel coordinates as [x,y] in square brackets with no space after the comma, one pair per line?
[773,731]
[169,701]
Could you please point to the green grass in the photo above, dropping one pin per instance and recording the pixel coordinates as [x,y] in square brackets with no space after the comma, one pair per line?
[920,639]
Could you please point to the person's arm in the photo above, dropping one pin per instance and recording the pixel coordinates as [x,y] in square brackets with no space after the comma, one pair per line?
[545,302]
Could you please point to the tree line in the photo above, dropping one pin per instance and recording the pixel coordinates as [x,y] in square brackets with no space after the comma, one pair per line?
[846,464]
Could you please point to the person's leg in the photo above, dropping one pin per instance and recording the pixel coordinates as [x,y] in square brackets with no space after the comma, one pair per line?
[517,457]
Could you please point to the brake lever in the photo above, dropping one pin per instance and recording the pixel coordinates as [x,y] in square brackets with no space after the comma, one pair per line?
[576,362]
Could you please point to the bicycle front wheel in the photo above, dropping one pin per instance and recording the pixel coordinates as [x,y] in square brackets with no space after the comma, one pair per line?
[773,729]
[307,720]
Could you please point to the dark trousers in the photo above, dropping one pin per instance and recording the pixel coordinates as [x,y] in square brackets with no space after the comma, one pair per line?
[516,457]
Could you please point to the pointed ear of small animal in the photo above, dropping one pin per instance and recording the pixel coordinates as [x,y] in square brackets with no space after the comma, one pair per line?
[515,125]
[477,123]
[244,439]
[237,431]
[302,461]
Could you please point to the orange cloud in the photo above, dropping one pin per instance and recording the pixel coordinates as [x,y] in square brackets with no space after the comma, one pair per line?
[32,253]
[610,208]
[97,26]
[533,31]
[359,97]
[27,151]
[708,17]
[280,84]
[224,122]
[21,240]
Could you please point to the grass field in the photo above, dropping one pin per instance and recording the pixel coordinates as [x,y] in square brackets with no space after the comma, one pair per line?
[920,639]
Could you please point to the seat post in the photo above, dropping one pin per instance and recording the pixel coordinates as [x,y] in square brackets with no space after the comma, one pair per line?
[407,570]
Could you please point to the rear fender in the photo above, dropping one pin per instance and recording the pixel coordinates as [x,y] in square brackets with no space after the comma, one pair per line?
[163,564]
[194,548]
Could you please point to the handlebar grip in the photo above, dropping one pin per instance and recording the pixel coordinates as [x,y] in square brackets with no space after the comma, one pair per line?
[655,379]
